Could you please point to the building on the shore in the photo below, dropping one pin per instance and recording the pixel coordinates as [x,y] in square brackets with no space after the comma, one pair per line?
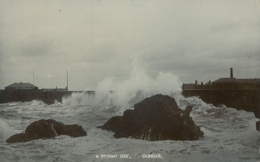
[21,86]
[29,86]
[226,83]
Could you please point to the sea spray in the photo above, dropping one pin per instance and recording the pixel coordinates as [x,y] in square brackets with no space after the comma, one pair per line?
[126,93]
[229,134]
[5,130]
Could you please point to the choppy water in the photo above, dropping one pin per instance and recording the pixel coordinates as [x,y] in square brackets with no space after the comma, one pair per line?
[229,134]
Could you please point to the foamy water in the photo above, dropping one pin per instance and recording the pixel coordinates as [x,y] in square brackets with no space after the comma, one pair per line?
[229,134]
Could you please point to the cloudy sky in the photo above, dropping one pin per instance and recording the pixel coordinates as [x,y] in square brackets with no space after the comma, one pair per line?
[97,39]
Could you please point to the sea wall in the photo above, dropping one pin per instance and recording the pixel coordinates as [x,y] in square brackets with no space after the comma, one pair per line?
[49,97]
[248,100]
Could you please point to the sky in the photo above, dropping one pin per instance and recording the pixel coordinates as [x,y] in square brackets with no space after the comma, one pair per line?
[97,39]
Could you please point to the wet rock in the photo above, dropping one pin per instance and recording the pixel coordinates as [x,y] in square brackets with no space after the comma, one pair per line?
[44,129]
[155,118]
[16,138]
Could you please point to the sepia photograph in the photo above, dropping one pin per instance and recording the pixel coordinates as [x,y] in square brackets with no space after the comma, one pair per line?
[129,80]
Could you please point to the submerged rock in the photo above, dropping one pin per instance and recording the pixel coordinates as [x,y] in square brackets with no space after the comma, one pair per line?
[155,118]
[44,129]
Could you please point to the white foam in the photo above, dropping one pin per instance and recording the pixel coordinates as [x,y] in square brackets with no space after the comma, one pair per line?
[127,92]
[5,130]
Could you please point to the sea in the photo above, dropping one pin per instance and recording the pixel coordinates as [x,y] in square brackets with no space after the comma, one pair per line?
[229,135]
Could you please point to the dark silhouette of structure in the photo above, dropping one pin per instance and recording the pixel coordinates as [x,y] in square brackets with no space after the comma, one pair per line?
[23,92]
[21,86]
[226,83]
[237,93]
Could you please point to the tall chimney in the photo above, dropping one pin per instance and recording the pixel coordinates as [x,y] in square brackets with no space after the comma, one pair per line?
[231,72]
[67,80]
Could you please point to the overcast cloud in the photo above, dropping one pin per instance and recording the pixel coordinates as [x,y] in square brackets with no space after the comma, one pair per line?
[93,40]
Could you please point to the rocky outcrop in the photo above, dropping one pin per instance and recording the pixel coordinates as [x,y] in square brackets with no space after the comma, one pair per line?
[44,129]
[155,118]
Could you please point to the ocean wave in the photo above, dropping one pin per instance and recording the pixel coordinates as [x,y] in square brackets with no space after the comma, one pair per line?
[5,130]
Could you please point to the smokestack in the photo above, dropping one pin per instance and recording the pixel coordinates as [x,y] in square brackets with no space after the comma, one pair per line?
[231,72]
[67,81]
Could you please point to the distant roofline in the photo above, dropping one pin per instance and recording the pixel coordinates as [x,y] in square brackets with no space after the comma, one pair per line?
[226,80]
[21,85]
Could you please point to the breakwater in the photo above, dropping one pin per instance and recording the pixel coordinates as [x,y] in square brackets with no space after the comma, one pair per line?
[248,100]
[48,97]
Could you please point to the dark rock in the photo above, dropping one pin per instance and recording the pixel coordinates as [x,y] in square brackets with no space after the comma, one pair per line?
[16,138]
[44,129]
[258,126]
[155,118]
